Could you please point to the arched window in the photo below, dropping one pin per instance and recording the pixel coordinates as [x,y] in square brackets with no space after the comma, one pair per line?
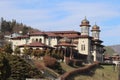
[83,47]
[40,40]
[32,40]
[36,40]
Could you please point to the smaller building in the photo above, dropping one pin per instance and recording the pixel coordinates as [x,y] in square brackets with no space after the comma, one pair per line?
[116,59]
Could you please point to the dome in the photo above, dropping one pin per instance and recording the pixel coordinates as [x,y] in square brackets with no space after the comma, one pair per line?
[85,22]
[95,28]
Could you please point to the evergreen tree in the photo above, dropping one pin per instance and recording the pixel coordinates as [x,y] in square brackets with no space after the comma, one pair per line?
[5,69]
[8,48]
[17,51]
[13,67]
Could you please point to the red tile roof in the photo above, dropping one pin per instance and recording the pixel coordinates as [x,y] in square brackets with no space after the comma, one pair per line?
[65,44]
[34,44]
[60,32]
[51,34]
[70,35]
[20,37]
[37,33]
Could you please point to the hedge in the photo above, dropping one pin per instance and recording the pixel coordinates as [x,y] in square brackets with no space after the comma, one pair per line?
[85,69]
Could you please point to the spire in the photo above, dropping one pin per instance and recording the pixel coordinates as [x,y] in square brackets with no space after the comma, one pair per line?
[95,23]
[85,18]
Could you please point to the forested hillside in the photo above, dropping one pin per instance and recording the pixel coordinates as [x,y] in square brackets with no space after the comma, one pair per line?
[113,49]
[109,51]
[116,48]
[8,27]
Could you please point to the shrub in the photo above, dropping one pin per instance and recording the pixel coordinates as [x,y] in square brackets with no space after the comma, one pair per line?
[85,69]
[107,64]
[52,63]
[74,62]
[49,61]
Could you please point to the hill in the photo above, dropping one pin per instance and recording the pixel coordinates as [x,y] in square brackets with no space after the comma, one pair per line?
[116,48]
[8,27]
[113,49]
[109,51]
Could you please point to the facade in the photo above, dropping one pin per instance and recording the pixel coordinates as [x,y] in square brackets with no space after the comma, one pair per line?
[88,46]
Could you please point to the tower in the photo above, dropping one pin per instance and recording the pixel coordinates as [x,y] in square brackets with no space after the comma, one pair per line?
[95,32]
[85,27]
[84,40]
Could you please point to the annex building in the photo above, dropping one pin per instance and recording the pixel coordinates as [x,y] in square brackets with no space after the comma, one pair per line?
[88,46]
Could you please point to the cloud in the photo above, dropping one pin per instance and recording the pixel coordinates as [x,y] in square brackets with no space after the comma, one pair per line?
[56,15]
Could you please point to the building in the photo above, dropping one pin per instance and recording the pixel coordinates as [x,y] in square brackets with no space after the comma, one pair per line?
[89,47]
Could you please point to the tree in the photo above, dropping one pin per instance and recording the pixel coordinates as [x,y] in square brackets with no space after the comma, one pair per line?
[17,51]
[25,30]
[36,53]
[42,53]
[5,69]
[26,51]
[53,64]
[13,67]
[8,48]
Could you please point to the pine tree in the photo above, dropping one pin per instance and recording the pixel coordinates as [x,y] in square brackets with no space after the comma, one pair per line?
[8,48]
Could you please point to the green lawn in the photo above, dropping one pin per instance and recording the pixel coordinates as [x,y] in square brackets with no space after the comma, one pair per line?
[67,67]
[102,73]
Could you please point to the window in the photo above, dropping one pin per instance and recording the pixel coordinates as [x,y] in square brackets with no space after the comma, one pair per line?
[49,40]
[32,40]
[36,40]
[40,40]
[83,47]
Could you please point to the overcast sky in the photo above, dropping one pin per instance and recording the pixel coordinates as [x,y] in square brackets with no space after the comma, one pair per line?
[52,15]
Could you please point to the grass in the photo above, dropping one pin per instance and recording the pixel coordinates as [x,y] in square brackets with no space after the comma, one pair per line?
[104,72]
[101,73]
[67,67]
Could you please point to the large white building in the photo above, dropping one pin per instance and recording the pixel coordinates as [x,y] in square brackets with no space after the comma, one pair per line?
[89,47]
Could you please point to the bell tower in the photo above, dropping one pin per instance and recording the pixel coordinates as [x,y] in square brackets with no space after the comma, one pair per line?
[85,27]
[95,32]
